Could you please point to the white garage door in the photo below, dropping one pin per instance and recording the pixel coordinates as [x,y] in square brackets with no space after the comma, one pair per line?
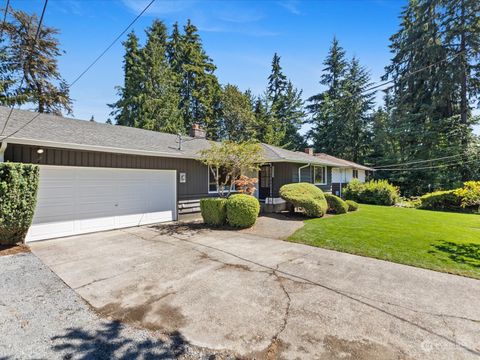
[78,200]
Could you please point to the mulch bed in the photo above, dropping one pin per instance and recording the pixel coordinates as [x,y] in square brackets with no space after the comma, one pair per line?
[13,249]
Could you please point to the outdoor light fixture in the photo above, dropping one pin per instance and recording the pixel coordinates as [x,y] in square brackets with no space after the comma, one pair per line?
[40,151]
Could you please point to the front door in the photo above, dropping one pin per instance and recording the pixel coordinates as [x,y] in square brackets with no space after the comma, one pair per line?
[264,181]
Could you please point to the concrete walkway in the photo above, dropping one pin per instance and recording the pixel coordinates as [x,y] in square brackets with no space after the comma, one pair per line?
[266,298]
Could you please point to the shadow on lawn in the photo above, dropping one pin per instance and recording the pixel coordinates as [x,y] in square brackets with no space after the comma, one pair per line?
[467,254]
[109,342]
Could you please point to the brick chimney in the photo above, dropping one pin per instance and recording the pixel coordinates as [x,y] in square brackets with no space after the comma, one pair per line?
[309,151]
[197,132]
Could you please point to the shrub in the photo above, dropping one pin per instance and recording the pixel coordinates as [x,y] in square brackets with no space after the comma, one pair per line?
[335,204]
[469,194]
[376,192]
[306,196]
[242,210]
[352,205]
[441,200]
[18,194]
[214,211]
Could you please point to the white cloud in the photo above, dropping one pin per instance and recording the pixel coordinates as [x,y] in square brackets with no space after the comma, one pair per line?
[291,6]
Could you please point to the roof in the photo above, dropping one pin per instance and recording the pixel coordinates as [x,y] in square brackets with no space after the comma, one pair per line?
[346,163]
[62,132]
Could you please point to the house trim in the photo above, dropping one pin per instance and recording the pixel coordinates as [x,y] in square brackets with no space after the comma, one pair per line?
[325,181]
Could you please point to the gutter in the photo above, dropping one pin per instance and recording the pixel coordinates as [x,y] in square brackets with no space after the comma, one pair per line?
[3,147]
[300,171]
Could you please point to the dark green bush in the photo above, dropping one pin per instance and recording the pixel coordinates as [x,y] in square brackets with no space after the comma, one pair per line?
[352,205]
[376,192]
[214,211]
[306,196]
[18,197]
[441,200]
[242,210]
[335,204]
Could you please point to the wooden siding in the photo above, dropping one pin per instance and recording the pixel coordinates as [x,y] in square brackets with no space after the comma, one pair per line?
[286,173]
[197,176]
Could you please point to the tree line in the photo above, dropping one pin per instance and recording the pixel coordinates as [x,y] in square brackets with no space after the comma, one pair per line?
[430,88]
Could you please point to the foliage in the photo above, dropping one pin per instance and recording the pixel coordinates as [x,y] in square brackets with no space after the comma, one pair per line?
[341,115]
[441,200]
[237,120]
[242,210]
[246,185]
[470,194]
[214,211]
[305,196]
[18,194]
[377,192]
[29,71]
[335,204]
[434,240]
[352,205]
[229,160]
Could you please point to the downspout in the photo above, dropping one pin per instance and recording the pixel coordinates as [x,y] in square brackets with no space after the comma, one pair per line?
[300,172]
[3,147]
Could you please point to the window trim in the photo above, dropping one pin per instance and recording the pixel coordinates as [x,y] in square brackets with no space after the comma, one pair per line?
[353,173]
[216,191]
[325,174]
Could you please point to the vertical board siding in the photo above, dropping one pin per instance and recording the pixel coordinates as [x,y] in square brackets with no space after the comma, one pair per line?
[195,187]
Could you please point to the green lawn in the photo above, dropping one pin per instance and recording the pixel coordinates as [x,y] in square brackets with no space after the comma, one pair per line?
[448,242]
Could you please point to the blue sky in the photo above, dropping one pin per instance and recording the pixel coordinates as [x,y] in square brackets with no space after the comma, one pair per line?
[240,36]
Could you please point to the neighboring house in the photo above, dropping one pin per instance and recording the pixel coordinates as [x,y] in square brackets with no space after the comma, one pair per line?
[95,176]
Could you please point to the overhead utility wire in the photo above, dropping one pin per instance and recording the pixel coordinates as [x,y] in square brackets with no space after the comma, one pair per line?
[417,162]
[37,33]
[431,167]
[86,70]
[112,43]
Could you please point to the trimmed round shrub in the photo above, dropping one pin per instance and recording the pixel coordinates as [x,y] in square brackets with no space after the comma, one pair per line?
[352,205]
[242,210]
[214,211]
[306,196]
[376,192]
[18,198]
[335,204]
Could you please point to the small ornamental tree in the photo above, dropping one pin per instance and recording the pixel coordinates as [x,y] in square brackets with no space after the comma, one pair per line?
[246,185]
[229,160]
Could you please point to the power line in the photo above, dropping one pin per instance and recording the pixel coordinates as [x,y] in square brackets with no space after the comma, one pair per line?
[82,73]
[431,167]
[28,56]
[417,162]
[113,43]
[4,18]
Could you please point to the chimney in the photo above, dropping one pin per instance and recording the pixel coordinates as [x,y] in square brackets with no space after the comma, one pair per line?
[309,151]
[197,132]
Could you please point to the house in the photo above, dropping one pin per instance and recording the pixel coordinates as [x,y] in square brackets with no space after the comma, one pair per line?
[96,176]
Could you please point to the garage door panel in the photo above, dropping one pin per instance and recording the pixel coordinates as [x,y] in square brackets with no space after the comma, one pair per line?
[74,200]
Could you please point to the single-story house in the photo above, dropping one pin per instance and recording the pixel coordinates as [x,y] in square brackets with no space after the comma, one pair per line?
[95,176]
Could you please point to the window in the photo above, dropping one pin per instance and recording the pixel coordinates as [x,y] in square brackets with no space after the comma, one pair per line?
[319,175]
[355,173]
[212,185]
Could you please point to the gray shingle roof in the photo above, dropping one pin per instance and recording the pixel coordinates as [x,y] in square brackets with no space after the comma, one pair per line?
[62,132]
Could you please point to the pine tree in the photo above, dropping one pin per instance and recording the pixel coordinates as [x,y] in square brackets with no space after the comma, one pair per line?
[33,65]
[126,109]
[237,120]
[326,118]
[159,96]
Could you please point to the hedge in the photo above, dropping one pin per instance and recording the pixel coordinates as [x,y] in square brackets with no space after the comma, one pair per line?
[335,204]
[18,194]
[242,210]
[306,196]
[376,192]
[214,211]
[352,205]
[441,200]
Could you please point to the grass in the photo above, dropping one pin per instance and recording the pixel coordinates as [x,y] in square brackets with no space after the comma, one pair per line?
[442,241]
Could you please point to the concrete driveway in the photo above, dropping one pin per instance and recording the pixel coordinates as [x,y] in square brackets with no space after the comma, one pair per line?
[266,298]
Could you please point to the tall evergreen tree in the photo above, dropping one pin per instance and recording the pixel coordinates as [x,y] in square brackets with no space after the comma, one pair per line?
[29,70]
[126,109]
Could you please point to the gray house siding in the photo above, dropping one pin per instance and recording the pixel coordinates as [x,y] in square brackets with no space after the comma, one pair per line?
[286,173]
[196,186]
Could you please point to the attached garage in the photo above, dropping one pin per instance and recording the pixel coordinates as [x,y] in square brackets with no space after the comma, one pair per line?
[78,200]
